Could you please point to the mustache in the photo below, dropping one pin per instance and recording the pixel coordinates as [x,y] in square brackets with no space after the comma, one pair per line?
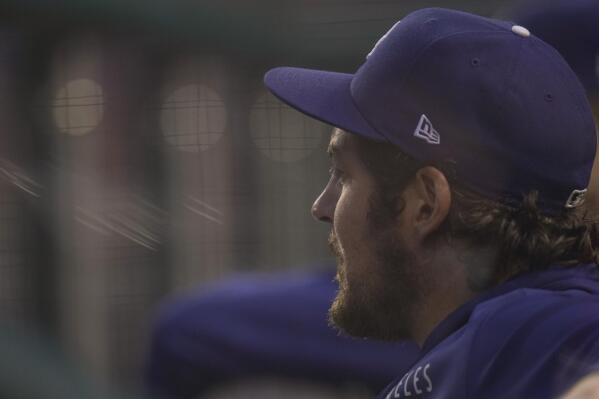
[334,246]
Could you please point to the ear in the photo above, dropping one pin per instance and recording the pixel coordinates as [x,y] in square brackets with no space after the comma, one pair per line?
[429,202]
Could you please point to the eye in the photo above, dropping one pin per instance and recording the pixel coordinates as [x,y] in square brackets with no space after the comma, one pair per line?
[337,174]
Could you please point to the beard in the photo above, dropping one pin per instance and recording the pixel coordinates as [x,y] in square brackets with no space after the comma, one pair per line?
[379,303]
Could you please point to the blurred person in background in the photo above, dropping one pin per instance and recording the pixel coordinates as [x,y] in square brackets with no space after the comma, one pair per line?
[276,326]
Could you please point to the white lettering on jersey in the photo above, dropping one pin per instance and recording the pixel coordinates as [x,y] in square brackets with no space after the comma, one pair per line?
[416,379]
[412,385]
[405,386]
[396,392]
[429,388]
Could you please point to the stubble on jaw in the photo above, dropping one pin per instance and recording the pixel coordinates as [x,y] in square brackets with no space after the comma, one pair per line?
[335,249]
[380,305]
[338,307]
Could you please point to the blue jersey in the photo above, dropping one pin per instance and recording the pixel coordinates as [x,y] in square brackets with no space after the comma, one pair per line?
[531,337]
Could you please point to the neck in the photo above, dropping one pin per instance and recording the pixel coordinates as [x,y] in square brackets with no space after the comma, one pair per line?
[454,278]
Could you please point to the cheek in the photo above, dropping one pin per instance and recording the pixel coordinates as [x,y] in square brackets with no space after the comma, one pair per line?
[350,222]
[343,218]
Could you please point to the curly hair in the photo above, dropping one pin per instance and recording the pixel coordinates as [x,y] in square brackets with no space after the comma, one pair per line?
[524,237]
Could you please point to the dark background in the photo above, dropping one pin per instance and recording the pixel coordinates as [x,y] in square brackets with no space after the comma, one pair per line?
[141,156]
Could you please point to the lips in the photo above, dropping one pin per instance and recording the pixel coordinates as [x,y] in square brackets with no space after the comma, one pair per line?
[336,250]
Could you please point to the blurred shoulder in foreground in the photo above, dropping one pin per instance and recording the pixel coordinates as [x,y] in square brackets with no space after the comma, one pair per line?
[257,327]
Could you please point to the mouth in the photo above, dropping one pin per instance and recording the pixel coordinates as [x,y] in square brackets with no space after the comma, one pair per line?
[335,249]
[334,246]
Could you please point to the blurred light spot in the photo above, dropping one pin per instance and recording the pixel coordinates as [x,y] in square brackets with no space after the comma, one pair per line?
[79,106]
[282,133]
[193,118]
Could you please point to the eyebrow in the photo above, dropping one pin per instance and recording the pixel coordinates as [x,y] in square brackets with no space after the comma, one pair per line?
[337,146]
[334,149]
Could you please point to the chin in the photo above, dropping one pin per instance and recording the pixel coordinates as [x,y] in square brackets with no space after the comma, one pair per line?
[362,319]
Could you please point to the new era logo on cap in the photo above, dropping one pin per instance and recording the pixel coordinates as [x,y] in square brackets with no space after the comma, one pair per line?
[426,131]
[576,198]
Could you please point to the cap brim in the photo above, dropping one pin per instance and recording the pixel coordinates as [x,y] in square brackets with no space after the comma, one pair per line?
[323,95]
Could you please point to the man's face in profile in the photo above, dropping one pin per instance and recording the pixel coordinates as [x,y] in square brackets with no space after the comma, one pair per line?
[374,269]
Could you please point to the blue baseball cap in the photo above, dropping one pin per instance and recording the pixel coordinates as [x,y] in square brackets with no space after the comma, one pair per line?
[447,86]
[572,27]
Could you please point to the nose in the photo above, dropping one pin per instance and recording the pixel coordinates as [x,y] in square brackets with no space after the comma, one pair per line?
[323,208]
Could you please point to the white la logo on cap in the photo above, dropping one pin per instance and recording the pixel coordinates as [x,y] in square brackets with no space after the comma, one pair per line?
[381,39]
[426,131]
